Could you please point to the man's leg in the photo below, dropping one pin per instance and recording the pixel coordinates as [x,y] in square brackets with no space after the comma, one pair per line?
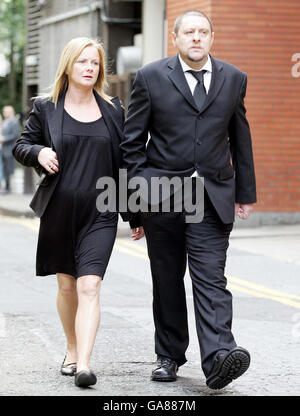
[166,249]
[6,173]
[207,244]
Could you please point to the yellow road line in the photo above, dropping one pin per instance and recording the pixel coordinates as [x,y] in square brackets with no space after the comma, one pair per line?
[254,289]
[126,250]
[133,249]
[32,224]
[262,288]
[265,296]
[133,246]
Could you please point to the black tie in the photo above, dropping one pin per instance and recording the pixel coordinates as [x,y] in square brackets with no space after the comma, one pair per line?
[199,92]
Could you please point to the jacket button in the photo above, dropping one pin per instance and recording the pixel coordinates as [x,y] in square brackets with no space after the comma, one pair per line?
[199,142]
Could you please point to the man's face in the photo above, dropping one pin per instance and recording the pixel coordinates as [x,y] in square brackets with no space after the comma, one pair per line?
[194,39]
[8,111]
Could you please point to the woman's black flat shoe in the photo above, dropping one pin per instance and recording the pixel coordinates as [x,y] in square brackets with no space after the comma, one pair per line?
[85,378]
[68,369]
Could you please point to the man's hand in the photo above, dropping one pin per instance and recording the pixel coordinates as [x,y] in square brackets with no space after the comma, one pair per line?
[243,210]
[137,233]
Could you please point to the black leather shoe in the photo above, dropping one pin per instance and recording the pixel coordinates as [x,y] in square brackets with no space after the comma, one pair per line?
[68,369]
[165,370]
[85,378]
[228,367]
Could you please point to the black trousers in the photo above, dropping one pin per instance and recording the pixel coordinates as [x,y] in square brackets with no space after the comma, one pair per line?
[171,242]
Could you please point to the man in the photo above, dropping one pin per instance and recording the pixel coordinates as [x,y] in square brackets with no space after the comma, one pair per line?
[197,127]
[10,130]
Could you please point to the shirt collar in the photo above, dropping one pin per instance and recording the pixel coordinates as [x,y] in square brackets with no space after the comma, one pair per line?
[185,67]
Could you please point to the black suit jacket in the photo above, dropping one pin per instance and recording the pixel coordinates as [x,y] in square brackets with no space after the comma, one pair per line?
[44,128]
[215,141]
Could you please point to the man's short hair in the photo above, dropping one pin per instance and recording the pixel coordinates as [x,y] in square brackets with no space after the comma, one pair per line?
[191,13]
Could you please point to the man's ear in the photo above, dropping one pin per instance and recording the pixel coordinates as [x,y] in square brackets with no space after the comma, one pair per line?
[212,38]
[174,38]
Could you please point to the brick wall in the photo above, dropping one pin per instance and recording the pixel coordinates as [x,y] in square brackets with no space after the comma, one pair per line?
[260,37]
[176,7]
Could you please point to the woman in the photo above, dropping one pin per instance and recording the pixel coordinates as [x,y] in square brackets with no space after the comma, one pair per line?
[73,135]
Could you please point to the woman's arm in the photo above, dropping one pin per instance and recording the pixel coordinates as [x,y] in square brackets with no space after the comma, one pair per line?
[31,150]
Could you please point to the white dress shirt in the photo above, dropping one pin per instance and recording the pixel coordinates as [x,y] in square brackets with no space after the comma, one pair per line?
[192,81]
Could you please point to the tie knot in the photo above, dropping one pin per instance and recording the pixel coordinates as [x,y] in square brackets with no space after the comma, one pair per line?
[198,74]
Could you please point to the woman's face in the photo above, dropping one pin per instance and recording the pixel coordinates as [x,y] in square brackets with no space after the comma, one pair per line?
[86,68]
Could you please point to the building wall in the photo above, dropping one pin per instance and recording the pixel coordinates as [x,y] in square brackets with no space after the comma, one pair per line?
[153,30]
[57,27]
[260,37]
[32,45]
[175,7]
[63,20]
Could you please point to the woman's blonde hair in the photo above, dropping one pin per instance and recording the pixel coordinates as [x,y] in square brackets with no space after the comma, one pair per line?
[69,55]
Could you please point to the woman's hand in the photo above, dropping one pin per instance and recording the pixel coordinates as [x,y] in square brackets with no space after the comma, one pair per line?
[48,159]
[137,233]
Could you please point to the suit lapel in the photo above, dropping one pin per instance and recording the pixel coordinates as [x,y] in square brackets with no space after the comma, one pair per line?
[55,123]
[217,81]
[110,114]
[177,76]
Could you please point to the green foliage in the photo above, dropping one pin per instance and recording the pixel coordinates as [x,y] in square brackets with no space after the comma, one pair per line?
[12,40]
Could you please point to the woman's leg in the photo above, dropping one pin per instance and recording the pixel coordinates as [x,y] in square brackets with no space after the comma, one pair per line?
[67,303]
[87,318]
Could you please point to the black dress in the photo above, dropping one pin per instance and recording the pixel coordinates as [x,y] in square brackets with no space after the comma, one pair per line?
[74,237]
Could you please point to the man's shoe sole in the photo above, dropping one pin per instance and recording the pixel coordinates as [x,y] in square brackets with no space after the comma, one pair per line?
[160,378]
[234,365]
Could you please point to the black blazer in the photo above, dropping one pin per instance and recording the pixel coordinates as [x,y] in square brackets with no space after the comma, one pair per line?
[215,141]
[44,128]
